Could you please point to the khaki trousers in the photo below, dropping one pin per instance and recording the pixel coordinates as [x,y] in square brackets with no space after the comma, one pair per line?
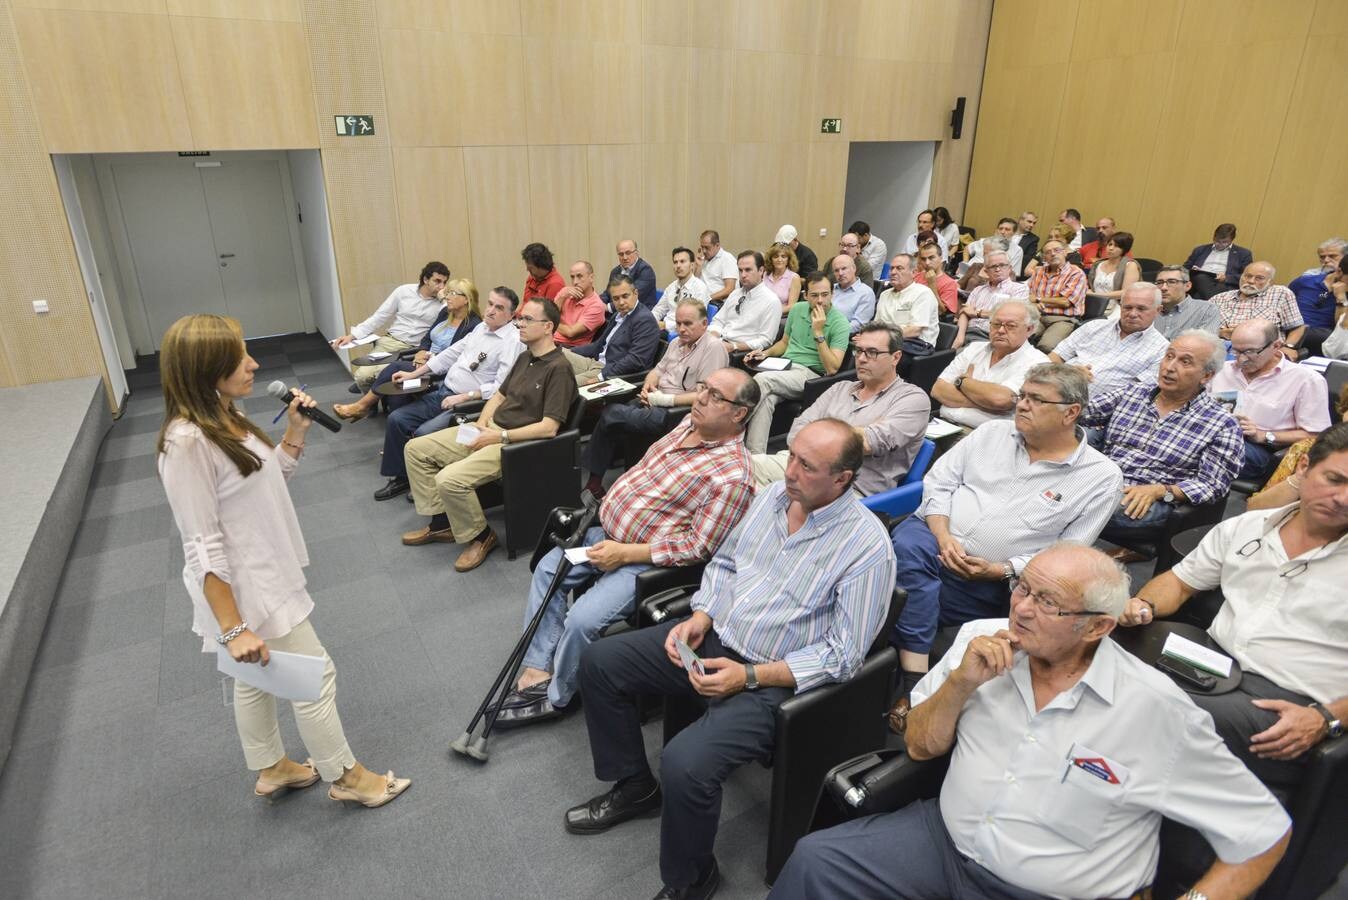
[365,375]
[769,467]
[1052,329]
[789,384]
[320,725]
[445,474]
[588,371]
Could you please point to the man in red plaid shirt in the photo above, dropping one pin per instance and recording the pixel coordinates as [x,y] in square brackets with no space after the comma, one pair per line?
[674,508]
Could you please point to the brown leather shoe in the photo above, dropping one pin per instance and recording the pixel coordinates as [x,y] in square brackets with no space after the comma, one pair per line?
[475,552]
[426,536]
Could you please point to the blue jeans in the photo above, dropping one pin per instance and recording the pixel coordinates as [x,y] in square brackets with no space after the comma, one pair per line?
[562,636]
[386,376]
[936,597]
[616,420]
[1259,461]
[420,415]
[1150,524]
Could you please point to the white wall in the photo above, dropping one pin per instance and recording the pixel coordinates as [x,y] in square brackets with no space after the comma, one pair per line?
[888,184]
[320,261]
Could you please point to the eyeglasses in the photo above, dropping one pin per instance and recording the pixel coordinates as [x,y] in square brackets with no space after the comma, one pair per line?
[991,266]
[1036,400]
[1251,354]
[529,320]
[1045,605]
[870,352]
[703,388]
[454,293]
[994,325]
[1169,281]
[472,366]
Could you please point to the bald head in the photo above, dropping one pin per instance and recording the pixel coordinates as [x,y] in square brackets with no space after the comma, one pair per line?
[844,270]
[1260,331]
[824,459]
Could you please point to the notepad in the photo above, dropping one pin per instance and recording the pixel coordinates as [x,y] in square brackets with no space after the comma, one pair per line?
[1196,655]
[939,428]
[468,432]
[368,339]
[411,384]
[290,676]
[604,388]
[577,555]
[378,354]
[774,363]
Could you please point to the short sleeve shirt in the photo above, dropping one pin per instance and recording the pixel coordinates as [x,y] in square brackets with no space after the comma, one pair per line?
[537,387]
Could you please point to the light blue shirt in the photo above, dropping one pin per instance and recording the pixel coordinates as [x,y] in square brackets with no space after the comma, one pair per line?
[857,303]
[618,321]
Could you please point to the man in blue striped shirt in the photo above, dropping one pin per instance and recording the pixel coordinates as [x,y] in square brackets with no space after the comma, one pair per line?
[791,600]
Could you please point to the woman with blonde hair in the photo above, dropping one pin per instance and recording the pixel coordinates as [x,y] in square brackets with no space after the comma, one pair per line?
[244,554]
[456,321]
[783,278]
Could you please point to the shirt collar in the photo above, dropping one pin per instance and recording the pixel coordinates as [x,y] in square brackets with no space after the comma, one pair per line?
[818,518]
[1072,459]
[687,425]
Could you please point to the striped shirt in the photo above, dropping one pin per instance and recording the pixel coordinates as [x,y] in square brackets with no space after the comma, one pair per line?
[815,599]
[984,297]
[1116,359]
[1002,506]
[1275,303]
[1197,447]
[683,501]
[1068,284]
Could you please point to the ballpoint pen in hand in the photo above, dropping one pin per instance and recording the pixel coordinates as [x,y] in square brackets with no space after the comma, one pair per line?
[285,409]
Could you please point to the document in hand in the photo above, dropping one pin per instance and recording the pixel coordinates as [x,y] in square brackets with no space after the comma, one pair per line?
[290,676]
[368,339]
[1196,655]
[468,432]
[411,384]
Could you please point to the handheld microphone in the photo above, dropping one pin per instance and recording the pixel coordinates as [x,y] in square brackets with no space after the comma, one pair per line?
[279,390]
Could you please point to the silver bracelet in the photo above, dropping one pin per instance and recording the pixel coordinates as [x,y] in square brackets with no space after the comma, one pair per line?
[233,633]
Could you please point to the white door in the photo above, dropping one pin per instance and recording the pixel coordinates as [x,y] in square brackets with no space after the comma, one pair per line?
[251,228]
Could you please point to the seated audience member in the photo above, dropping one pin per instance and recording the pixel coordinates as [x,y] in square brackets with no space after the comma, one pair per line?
[982,381]
[1277,401]
[673,508]
[471,369]
[1005,492]
[1026,239]
[752,314]
[627,344]
[1216,267]
[926,221]
[1059,232]
[544,280]
[945,227]
[1314,294]
[1179,311]
[1098,248]
[1081,234]
[979,249]
[1060,773]
[1284,485]
[459,316]
[851,245]
[690,359]
[1259,298]
[1000,285]
[404,317]
[808,261]
[582,311]
[887,412]
[1117,352]
[1173,441]
[909,307]
[531,403]
[931,272]
[1336,344]
[1058,290]
[685,286]
[1279,572]
[1112,273]
[815,341]
[716,267]
[782,277]
[634,267]
[852,297]
[872,248]
[791,601]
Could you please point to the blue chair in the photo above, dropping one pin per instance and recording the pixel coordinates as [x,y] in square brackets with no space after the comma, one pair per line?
[904,499]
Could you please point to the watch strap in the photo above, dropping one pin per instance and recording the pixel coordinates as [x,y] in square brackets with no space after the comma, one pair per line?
[1334,725]
[750,677]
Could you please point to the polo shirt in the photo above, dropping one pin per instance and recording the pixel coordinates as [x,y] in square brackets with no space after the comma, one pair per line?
[537,387]
[587,311]
[914,305]
[717,269]
[549,286]
[800,343]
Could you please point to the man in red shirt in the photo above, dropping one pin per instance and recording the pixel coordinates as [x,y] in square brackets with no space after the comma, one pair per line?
[544,279]
[582,308]
[930,273]
[1094,250]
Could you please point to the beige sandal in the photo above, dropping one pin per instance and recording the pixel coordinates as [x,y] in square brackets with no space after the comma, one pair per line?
[274,788]
[392,789]
[349,416]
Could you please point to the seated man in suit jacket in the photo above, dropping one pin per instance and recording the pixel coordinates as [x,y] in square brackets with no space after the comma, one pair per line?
[1216,267]
[636,268]
[626,344]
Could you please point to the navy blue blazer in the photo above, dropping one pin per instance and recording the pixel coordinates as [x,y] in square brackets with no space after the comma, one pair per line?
[1236,261]
[643,276]
[632,348]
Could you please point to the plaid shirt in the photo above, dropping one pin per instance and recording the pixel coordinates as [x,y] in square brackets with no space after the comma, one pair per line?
[1197,447]
[683,501]
[1275,303]
[1069,284]
[1116,359]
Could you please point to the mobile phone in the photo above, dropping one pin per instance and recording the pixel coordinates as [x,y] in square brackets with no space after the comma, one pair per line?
[690,659]
[1187,675]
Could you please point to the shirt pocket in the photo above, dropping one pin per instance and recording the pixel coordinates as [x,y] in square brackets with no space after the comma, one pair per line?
[1077,807]
[1041,514]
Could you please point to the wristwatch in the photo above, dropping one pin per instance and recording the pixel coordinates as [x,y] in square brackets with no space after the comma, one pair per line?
[820,338]
[505,436]
[1008,571]
[1168,496]
[1335,725]
[750,677]
[959,380]
[1270,438]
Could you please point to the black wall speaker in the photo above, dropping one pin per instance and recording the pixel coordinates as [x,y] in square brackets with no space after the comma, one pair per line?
[957,119]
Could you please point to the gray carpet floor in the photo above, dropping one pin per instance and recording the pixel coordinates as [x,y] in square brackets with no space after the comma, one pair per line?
[126,778]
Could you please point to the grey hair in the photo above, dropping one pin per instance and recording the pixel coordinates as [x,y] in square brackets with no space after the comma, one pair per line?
[1070,381]
[1031,314]
[1216,347]
[695,304]
[1107,587]
[1183,272]
[1139,286]
[1335,243]
[989,254]
[995,240]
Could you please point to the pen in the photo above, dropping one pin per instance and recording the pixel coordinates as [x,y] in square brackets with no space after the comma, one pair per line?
[284,408]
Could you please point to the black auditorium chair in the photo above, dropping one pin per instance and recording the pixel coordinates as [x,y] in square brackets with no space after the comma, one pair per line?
[1149,267]
[1095,308]
[926,369]
[1336,377]
[1186,516]
[815,730]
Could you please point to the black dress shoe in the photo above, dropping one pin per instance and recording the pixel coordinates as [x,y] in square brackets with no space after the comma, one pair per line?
[354,389]
[539,710]
[517,698]
[701,890]
[603,812]
[394,487]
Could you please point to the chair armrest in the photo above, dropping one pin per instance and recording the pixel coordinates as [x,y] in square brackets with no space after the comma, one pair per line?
[659,579]
[900,501]
[884,781]
[674,603]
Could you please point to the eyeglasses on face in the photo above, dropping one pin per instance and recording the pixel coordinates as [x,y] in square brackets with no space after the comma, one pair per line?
[994,325]
[1046,606]
[530,320]
[1036,400]
[1163,281]
[870,352]
[1251,354]
[703,388]
[991,266]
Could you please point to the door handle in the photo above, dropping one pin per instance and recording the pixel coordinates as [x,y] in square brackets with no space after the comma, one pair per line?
[226,255]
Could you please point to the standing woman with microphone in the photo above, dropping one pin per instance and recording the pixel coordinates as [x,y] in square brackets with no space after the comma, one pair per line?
[244,553]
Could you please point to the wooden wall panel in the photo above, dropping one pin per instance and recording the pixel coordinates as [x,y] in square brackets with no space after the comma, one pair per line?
[433,208]
[497,180]
[615,197]
[147,7]
[667,98]
[587,20]
[460,16]
[266,10]
[559,211]
[665,207]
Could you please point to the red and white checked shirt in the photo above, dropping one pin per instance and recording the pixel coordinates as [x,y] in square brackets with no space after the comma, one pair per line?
[683,501]
[1275,303]
[1069,284]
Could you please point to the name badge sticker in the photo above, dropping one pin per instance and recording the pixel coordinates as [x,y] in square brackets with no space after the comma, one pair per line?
[1095,764]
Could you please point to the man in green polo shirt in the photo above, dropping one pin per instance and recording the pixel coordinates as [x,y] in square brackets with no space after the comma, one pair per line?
[814,341]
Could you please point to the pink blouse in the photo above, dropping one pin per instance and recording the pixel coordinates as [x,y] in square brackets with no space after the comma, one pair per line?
[780,286]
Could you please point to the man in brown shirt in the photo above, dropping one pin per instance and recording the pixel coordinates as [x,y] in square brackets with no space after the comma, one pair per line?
[446,467]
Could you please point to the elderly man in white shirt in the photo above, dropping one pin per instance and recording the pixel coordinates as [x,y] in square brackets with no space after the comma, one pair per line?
[978,250]
[715,266]
[851,296]
[981,382]
[1116,353]
[909,307]
[752,315]
[1000,285]
[1066,752]
[407,314]
[1281,573]
[685,286]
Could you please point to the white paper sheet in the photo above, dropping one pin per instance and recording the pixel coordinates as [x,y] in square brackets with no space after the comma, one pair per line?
[577,555]
[939,428]
[410,384]
[368,339]
[468,432]
[774,363]
[1196,655]
[290,676]
[378,354]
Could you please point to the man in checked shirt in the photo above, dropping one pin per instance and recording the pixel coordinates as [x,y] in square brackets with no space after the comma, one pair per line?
[671,509]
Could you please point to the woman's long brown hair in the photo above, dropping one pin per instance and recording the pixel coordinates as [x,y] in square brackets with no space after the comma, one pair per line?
[196,354]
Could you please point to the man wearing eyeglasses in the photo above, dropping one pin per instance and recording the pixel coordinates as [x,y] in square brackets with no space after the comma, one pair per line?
[752,313]
[627,343]
[1066,752]
[1002,494]
[1217,266]
[1000,285]
[1278,402]
[1258,297]
[637,269]
[1282,574]
[981,382]
[1179,311]
[1058,291]
[850,244]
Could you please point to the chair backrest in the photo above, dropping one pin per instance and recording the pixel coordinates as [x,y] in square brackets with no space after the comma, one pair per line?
[926,369]
[945,335]
[1096,306]
[1336,375]
[920,462]
[575,414]
[897,601]
[712,310]
[1148,266]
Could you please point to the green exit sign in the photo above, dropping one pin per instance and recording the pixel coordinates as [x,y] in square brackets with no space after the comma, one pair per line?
[830,126]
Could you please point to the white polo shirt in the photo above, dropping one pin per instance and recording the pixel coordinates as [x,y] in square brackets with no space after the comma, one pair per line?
[1283,618]
[1067,800]
[1009,373]
[720,267]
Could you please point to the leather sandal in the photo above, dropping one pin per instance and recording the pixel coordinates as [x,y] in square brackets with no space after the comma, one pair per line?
[265,788]
[349,416]
[393,787]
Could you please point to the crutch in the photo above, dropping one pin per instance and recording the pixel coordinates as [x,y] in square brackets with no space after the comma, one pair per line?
[465,744]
